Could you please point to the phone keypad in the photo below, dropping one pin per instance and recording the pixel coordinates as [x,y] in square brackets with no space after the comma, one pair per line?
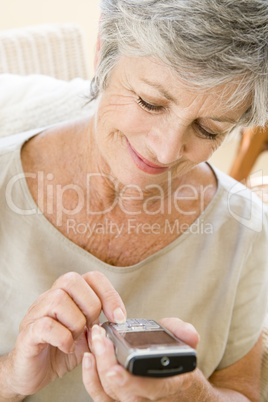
[137,324]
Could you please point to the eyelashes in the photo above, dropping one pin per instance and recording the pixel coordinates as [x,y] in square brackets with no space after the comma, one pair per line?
[147,106]
[206,134]
[201,131]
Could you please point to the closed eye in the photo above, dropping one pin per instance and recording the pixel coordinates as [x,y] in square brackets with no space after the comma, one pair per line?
[206,134]
[203,133]
[148,106]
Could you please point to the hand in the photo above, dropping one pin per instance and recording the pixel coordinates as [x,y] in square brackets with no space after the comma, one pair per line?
[106,381]
[52,338]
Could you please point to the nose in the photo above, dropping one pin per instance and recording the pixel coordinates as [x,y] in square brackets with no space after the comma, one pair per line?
[169,144]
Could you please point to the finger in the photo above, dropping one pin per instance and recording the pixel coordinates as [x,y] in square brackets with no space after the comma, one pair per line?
[58,304]
[105,358]
[112,303]
[102,346]
[46,331]
[182,330]
[108,368]
[82,294]
[128,385]
[91,379]
[118,383]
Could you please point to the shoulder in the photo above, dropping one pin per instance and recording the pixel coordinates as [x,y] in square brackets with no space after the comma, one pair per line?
[52,150]
[14,142]
[10,151]
[241,204]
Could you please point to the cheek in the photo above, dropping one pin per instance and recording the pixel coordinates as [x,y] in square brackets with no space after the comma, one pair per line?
[126,119]
[216,144]
[201,150]
[134,123]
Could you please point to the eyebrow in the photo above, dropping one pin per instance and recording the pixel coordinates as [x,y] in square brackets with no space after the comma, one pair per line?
[223,119]
[160,88]
[168,96]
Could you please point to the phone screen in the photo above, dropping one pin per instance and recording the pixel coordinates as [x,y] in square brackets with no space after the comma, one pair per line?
[147,338]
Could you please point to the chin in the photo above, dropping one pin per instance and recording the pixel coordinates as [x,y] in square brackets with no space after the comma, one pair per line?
[138,179]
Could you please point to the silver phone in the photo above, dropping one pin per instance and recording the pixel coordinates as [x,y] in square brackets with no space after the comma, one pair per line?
[147,349]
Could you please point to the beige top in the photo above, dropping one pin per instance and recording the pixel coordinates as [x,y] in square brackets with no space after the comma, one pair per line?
[214,275]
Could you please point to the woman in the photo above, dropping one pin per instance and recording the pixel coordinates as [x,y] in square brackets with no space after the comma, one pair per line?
[124,203]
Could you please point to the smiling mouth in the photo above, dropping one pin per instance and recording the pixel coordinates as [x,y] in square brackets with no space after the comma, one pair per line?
[143,164]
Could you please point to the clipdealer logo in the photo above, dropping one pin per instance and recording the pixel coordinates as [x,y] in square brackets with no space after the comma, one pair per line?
[152,200]
[133,226]
[250,213]
[241,201]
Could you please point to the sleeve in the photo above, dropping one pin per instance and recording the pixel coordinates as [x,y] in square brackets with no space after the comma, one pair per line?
[250,306]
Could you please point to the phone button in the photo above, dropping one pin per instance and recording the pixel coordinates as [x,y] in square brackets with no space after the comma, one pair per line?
[137,328]
[121,327]
[165,361]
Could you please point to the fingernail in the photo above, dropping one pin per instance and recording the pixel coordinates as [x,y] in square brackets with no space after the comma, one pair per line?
[119,316]
[116,377]
[97,332]
[87,361]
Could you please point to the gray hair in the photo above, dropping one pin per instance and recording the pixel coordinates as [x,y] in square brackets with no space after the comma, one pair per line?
[207,42]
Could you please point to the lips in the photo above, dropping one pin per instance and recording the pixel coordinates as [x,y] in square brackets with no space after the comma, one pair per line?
[143,164]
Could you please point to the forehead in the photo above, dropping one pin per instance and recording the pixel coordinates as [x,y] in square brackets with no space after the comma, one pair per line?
[156,79]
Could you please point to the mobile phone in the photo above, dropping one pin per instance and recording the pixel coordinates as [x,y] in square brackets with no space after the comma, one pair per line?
[147,349]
